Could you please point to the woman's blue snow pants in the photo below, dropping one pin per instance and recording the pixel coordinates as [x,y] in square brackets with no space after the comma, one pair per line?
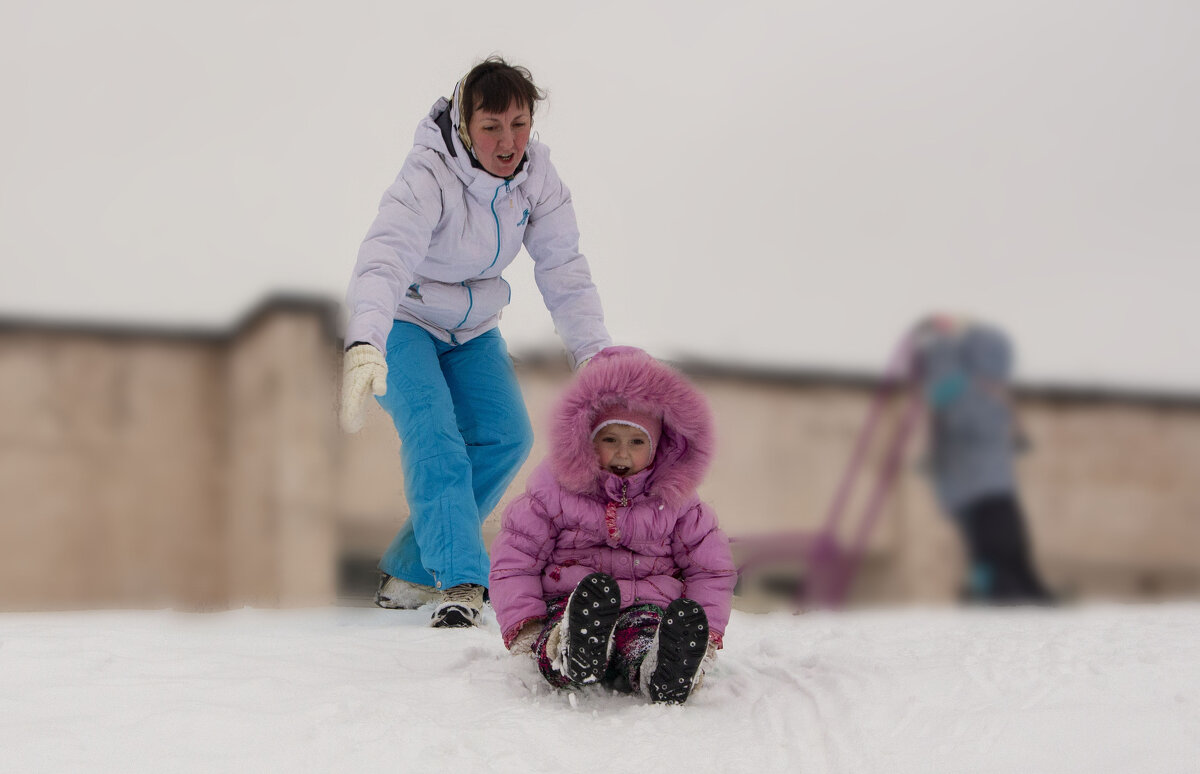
[464,434]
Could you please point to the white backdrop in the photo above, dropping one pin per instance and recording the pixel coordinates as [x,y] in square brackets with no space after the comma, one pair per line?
[775,183]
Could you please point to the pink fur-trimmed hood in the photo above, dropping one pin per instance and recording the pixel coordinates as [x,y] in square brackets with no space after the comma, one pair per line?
[630,377]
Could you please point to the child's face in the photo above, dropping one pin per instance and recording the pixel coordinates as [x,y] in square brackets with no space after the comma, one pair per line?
[622,450]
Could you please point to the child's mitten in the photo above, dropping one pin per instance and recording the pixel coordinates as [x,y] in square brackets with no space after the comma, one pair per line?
[523,642]
[706,663]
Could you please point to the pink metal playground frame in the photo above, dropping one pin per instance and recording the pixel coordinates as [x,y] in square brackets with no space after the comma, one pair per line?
[829,564]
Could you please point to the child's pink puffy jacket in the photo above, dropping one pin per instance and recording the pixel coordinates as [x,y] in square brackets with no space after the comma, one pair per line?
[660,542]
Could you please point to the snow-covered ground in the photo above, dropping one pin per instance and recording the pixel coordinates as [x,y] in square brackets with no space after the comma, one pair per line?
[1101,688]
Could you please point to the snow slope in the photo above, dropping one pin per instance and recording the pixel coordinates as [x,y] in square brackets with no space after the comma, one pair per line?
[1096,689]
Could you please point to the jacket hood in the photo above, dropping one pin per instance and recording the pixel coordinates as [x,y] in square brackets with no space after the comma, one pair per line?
[438,131]
[986,353]
[442,131]
[628,376]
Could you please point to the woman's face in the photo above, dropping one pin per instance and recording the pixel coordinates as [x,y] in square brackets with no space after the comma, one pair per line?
[499,139]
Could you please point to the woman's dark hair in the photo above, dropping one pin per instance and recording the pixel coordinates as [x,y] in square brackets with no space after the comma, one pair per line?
[494,84]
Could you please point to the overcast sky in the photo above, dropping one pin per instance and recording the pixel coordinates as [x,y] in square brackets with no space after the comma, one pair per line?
[786,183]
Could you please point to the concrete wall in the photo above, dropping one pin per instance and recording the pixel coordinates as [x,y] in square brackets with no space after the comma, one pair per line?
[172,468]
[206,470]
[281,460]
[1113,493]
[110,485]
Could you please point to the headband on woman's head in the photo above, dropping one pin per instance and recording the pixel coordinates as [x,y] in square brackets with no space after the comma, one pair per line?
[461,126]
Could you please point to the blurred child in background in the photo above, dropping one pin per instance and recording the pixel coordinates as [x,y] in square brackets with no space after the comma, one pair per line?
[964,369]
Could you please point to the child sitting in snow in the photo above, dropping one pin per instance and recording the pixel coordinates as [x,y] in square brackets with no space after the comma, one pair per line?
[610,569]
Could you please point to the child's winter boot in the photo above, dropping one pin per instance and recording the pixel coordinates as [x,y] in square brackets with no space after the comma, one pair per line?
[587,627]
[674,659]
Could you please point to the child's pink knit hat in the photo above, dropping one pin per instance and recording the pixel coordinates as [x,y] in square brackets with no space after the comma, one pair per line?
[648,423]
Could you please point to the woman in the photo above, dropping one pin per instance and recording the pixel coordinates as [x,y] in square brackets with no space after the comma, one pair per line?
[425,301]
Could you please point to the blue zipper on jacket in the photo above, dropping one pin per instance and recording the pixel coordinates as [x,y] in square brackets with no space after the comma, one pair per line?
[496,257]
[470,304]
[496,219]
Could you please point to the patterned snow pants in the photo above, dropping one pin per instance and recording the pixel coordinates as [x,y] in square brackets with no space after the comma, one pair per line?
[633,635]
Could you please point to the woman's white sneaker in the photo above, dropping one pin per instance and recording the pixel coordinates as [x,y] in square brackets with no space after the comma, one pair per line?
[461,606]
[396,594]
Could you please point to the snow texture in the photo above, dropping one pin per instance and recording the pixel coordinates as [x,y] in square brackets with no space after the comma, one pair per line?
[1101,688]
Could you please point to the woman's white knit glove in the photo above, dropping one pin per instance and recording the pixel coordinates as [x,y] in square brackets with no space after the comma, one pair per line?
[364,370]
